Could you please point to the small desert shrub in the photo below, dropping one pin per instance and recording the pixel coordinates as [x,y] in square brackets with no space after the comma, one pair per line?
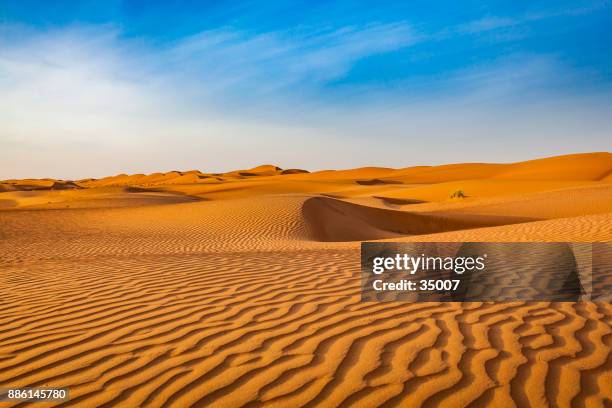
[458,194]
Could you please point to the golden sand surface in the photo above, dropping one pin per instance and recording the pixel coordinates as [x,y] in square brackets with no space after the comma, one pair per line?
[243,289]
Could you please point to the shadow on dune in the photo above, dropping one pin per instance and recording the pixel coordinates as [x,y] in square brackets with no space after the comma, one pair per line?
[376,182]
[8,203]
[333,220]
[399,201]
[294,171]
[55,185]
[135,189]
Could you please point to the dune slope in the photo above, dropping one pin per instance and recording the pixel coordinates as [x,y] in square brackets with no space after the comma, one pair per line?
[335,220]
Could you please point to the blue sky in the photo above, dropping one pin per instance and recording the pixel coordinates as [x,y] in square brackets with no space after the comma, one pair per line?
[97,88]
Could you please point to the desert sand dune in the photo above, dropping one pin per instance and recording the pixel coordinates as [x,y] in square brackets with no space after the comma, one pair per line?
[554,203]
[335,220]
[233,290]
[586,166]
[102,197]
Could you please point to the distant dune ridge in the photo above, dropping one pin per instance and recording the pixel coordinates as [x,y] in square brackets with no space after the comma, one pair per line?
[243,288]
[434,183]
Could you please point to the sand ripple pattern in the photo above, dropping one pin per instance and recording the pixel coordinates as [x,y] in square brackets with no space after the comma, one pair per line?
[278,330]
[232,305]
[232,225]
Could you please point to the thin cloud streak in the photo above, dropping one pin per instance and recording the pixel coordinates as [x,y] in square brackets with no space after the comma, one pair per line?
[494,22]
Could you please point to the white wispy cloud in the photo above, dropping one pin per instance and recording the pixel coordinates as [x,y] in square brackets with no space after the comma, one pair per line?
[272,61]
[85,101]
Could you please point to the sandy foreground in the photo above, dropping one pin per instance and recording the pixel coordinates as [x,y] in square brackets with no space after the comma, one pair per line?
[243,288]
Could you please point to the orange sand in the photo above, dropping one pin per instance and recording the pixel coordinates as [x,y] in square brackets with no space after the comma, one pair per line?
[242,289]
